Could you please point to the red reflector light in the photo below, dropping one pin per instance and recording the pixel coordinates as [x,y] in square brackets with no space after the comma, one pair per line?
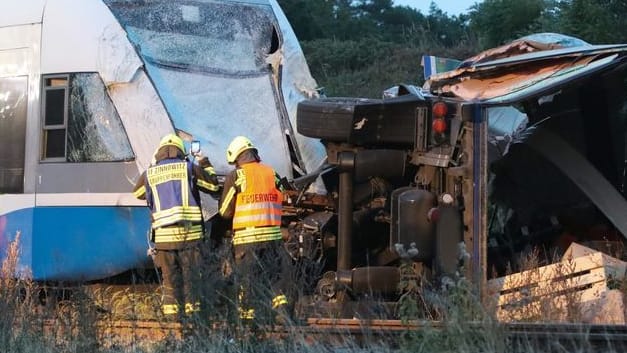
[433,215]
[439,125]
[439,109]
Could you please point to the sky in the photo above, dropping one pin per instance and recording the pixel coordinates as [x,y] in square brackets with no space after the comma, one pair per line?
[451,7]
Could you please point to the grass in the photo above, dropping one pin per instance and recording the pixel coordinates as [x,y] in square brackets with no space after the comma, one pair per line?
[452,317]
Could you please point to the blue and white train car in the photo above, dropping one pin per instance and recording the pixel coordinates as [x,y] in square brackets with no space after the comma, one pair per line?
[88,88]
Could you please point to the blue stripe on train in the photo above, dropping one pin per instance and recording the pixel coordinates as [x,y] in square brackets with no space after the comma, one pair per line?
[79,243]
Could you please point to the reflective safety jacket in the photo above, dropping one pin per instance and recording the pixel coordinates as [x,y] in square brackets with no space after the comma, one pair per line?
[258,204]
[172,199]
[171,190]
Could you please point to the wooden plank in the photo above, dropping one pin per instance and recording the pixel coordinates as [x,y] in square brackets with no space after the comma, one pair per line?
[563,291]
[558,270]
[609,308]
[563,307]
[561,284]
[577,250]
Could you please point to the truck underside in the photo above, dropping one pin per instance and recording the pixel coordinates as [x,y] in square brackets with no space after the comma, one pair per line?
[455,188]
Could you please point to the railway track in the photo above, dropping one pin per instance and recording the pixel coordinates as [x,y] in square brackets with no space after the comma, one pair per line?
[572,337]
[524,337]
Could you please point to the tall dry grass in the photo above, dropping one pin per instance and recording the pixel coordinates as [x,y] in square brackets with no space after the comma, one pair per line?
[452,317]
[37,318]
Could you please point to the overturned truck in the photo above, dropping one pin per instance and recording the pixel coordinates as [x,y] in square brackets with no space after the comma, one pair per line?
[519,149]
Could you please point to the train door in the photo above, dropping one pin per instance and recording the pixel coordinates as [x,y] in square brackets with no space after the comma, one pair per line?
[18,99]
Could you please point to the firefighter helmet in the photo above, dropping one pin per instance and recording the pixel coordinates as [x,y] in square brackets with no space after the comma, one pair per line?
[237,146]
[172,140]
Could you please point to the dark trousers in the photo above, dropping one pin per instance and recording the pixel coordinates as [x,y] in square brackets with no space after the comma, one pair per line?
[180,272]
[261,272]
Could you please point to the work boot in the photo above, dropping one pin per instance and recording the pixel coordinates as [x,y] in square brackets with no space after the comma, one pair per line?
[284,315]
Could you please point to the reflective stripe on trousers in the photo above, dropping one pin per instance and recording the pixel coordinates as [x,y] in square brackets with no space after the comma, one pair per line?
[173,309]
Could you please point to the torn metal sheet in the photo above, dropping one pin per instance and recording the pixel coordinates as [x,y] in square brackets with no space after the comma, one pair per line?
[143,115]
[531,78]
[521,65]
[517,47]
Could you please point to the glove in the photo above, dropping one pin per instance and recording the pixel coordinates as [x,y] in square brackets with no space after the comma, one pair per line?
[204,163]
[151,252]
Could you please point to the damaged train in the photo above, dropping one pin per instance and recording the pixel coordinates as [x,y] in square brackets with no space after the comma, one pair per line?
[87,93]
[520,148]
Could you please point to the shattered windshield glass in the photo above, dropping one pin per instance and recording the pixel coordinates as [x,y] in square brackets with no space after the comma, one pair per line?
[225,38]
[207,61]
[95,132]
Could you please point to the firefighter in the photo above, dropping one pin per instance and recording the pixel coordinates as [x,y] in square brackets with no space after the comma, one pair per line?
[252,198]
[171,188]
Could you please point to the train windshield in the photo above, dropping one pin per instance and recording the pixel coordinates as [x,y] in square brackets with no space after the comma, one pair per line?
[207,60]
[226,38]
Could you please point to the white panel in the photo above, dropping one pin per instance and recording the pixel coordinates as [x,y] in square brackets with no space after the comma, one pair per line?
[14,62]
[33,134]
[19,47]
[143,116]
[89,199]
[18,12]
[10,203]
[25,36]
[83,36]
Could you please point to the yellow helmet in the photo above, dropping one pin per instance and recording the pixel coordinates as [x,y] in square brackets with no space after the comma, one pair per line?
[172,140]
[236,147]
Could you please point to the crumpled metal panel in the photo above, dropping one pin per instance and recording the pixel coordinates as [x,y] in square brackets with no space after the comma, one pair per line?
[517,47]
[529,79]
[529,44]
[562,40]
[506,121]
[143,115]
[531,84]
[523,66]
[117,61]
[297,84]
[505,124]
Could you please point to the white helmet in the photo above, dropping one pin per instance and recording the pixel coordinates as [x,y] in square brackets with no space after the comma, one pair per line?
[237,146]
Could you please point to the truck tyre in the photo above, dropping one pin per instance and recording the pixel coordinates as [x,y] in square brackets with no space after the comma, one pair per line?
[329,119]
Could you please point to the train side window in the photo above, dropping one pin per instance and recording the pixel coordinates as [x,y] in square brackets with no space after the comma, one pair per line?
[55,97]
[81,123]
[13,106]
